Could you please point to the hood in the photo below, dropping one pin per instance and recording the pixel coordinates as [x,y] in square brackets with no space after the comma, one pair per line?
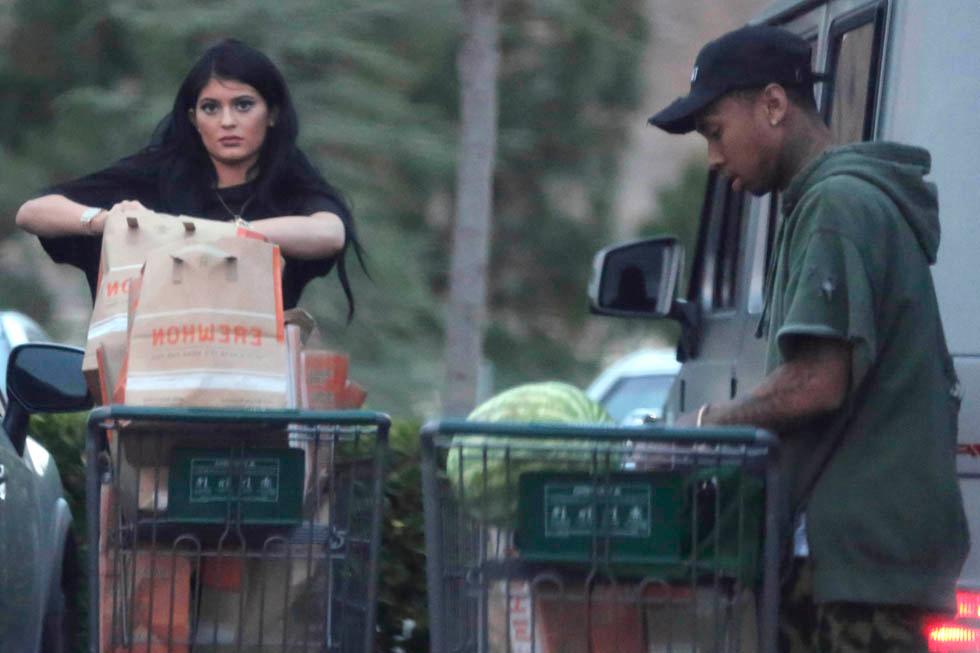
[897,170]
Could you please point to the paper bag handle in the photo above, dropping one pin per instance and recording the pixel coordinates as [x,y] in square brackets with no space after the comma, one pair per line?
[202,248]
[208,250]
[134,223]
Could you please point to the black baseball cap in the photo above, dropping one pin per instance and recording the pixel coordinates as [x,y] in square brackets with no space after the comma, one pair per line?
[749,57]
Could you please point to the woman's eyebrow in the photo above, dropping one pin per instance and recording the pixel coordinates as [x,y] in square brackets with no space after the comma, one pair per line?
[243,96]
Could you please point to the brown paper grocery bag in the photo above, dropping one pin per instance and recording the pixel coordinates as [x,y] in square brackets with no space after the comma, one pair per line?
[208,328]
[128,237]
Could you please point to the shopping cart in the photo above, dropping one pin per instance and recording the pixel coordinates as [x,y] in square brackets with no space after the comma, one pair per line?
[229,530]
[551,538]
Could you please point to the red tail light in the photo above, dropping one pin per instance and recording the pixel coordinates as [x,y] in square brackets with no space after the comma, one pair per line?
[960,634]
[967,605]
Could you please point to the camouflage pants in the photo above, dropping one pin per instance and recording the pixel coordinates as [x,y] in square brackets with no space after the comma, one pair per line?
[807,627]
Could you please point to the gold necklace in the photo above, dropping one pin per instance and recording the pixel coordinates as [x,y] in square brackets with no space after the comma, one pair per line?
[237,217]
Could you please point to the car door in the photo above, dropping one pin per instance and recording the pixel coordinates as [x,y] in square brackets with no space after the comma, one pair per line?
[20,571]
[19,543]
[716,287]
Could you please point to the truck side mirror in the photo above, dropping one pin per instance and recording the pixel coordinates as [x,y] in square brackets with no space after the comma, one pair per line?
[42,378]
[636,279]
[640,279]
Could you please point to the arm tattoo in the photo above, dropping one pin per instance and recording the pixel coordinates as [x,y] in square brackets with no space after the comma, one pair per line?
[811,384]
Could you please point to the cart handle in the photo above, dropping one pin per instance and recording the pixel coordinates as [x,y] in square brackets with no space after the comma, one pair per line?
[225,415]
[734,435]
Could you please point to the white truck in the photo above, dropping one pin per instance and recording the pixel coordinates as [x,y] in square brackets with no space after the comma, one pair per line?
[900,70]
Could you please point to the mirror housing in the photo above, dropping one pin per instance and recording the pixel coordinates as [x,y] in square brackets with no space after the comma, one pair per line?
[640,279]
[42,378]
[636,279]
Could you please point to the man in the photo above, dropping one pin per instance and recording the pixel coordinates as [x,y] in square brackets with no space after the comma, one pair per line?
[860,385]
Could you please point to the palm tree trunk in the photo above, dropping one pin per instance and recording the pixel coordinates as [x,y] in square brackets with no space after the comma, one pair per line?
[477,64]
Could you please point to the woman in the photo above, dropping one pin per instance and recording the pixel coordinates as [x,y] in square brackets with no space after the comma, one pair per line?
[227,151]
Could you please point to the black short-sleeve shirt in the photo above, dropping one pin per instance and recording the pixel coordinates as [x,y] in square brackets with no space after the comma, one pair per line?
[107,187]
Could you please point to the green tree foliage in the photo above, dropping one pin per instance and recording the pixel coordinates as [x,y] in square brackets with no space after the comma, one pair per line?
[21,293]
[50,46]
[569,78]
[401,591]
[376,88]
[679,206]
[64,438]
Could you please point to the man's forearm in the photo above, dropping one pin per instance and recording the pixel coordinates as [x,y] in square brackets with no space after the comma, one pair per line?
[774,405]
[797,391]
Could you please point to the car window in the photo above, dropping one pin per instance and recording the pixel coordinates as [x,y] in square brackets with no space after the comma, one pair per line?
[632,392]
[853,63]
[715,275]
[729,240]
[848,99]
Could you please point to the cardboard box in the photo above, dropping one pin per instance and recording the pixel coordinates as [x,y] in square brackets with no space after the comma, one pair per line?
[151,608]
[323,376]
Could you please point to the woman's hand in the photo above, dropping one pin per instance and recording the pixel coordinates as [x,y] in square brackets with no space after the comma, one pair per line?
[316,236]
[98,222]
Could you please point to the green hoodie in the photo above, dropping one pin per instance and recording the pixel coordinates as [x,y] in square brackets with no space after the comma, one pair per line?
[877,478]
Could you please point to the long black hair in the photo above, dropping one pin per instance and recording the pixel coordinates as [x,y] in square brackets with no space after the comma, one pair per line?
[283,172]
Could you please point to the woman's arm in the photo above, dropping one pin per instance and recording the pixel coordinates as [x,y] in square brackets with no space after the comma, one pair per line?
[321,235]
[317,236]
[56,215]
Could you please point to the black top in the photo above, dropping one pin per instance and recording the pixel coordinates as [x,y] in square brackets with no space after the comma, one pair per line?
[107,187]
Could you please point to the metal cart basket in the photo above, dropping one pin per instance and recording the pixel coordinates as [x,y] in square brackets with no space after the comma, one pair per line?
[551,538]
[230,530]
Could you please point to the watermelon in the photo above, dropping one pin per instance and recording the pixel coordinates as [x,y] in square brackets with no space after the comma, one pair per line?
[535,403]
[484,484]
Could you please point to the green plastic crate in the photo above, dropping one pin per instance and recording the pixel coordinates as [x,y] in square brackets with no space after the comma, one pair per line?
[266,485]
[560,515]
[644,522]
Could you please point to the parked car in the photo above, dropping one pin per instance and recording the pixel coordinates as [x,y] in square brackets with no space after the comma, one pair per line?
[38,560]
[636,385]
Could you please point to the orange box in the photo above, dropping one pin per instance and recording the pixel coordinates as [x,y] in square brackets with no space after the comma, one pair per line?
[159,606]
[323,374]
[167,594]
[222,574]
[351,396]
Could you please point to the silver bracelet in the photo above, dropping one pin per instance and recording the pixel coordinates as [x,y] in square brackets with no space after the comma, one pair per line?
[702,411]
